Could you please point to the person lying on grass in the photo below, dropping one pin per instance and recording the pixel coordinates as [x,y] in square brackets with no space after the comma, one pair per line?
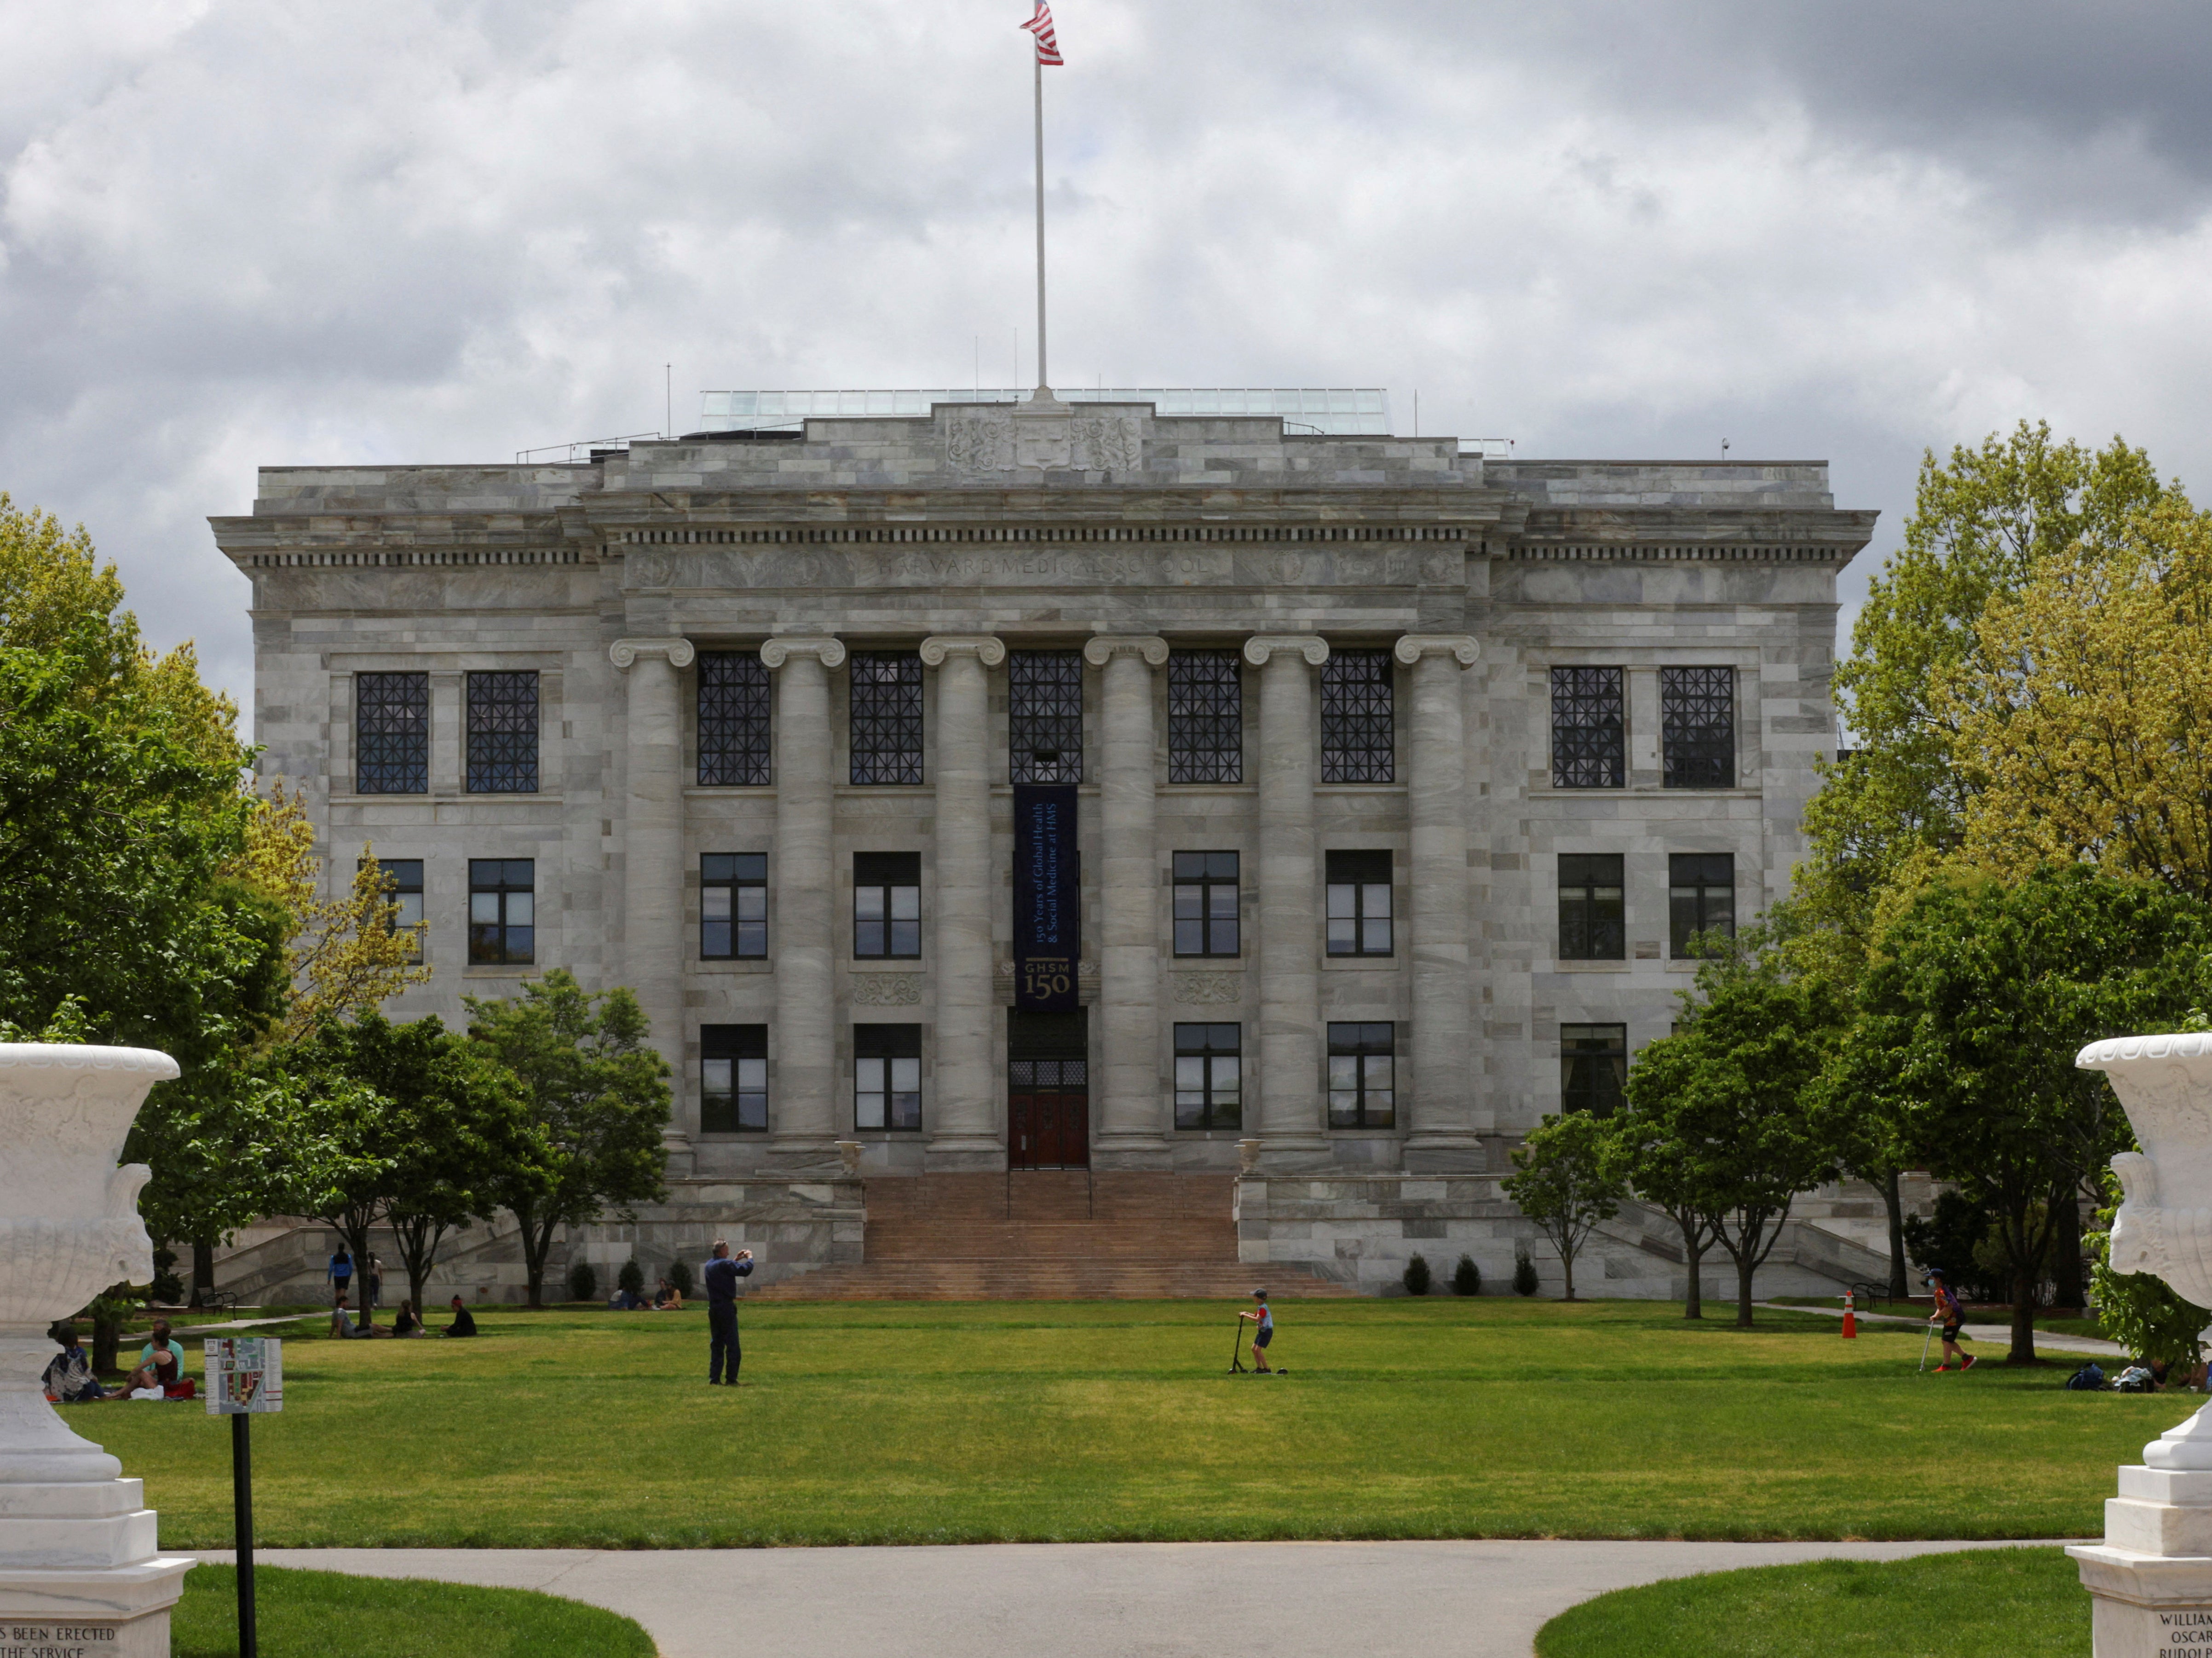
[1264,1334]
[1952,1316]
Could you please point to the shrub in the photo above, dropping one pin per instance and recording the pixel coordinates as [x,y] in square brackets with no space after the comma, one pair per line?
[631,1279]
[679,1278]
[1524,1273]
[583,1282]
[1466,1278]
[1417,1276]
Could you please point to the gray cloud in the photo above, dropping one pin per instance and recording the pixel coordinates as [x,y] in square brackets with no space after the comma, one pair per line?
[239,234]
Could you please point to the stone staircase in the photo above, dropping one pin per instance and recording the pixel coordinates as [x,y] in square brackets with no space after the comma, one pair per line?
[1049,1235]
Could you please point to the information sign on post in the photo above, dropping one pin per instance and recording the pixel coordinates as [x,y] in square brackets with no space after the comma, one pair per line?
[245,1376]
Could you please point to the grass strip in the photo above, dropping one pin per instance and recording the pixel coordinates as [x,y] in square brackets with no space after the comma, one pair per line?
[334,1615]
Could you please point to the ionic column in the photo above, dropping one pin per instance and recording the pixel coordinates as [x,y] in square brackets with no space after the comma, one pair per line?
[1442,1120]
[1290,1117]
[803,1120]
[1130,1132]
[965,1128]
[653,848]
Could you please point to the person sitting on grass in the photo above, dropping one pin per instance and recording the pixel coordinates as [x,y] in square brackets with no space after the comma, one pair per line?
[342,1326]
[1262,1336]
[667,1298]
[69,1378]
[161,1361]
[1952,1316]
[463,1324]
[406,1324]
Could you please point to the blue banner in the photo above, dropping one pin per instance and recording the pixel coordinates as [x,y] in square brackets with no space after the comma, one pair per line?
[1048,898]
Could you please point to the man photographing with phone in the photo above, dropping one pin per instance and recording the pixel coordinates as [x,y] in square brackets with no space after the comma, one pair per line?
[721,1276]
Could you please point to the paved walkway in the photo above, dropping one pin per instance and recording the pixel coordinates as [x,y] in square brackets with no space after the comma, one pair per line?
[1999,1333]
[1473,1599]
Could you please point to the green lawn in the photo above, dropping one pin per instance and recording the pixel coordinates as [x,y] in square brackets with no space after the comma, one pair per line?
[334,1616]
[1995,1603]
[906,1422]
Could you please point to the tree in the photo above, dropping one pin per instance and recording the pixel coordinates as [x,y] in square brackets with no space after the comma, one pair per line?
[447,1121]
[1981,524]
[2140,1309]
[1727,1098]
[1566,1182]
[2086,724]
[598,1098]
[1656,1163]
[1981,995]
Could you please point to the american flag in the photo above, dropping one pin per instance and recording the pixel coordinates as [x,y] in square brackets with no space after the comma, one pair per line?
[1040,26]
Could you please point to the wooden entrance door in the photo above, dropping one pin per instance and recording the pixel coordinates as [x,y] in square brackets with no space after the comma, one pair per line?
[1048,1114]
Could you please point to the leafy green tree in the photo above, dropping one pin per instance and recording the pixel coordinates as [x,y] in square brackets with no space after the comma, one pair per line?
[1566,1180]
[2139,1309]
[1981,995]
[1727,1098]
[599,1099]
[1657,1165]
[1981,524]
[447,1122]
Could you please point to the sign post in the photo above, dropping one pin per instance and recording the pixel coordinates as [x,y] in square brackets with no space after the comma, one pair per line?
[244,1375]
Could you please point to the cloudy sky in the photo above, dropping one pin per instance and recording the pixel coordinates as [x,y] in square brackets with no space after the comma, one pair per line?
[249,233]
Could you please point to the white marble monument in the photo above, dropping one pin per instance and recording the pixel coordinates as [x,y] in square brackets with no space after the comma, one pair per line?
[2152,1575]
[80,1569]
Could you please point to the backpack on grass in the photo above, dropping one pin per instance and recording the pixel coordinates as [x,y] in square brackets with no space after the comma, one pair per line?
[2089,1379]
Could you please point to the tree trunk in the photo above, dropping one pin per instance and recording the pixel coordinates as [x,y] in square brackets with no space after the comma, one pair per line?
[203,1270]
[2023,1317]
[357,1242]
[106,1336]
[537,1246]
[1567,1266]
[1893,1200]
[1694,1251]
[2067,1287]
[1746,1263]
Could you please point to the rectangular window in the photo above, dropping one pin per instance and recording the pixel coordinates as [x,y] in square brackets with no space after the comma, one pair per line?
[1362,1090]
[402,885]
[733,905]
[733,702]
[1593,1067]
[887,1076]
[1209,1076]
[1697,727]
[1206,904]
[1592,925]
[392,733]
[1589,729]
[1044,716]
[1357,729]
[1360,903]
[732,1078]
[1700,897]
[502,911]
[503,733]
[887,725]
[886,903]
[1206,717]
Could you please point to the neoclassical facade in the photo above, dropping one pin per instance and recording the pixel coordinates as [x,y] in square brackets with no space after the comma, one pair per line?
[1384,784]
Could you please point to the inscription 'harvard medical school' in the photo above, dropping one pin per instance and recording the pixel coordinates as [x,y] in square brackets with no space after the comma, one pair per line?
[56,1640]
[806,568]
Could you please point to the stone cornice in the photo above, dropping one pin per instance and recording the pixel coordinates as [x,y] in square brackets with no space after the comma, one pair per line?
[1412,647]
[982,647]
[623,652]
[1261,647]
[1103,648]
[830,653]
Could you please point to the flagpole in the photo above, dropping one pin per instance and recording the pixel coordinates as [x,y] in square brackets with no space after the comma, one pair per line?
[1036,70]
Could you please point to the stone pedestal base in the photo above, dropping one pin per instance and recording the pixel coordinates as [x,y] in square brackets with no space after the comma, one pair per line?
[2146,1605]
[117,1611]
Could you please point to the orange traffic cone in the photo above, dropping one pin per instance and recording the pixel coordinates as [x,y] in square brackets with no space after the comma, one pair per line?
[1851,1318]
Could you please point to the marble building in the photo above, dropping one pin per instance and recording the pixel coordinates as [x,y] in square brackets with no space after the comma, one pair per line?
[1401,775]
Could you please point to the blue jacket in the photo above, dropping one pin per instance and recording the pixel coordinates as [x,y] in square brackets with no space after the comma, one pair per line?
[721,1276]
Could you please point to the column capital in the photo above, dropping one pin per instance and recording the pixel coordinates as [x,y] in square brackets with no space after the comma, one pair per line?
[1261,647]
[625,652]
[777,651]
[1103,648]
[1412,647]
[982,647]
